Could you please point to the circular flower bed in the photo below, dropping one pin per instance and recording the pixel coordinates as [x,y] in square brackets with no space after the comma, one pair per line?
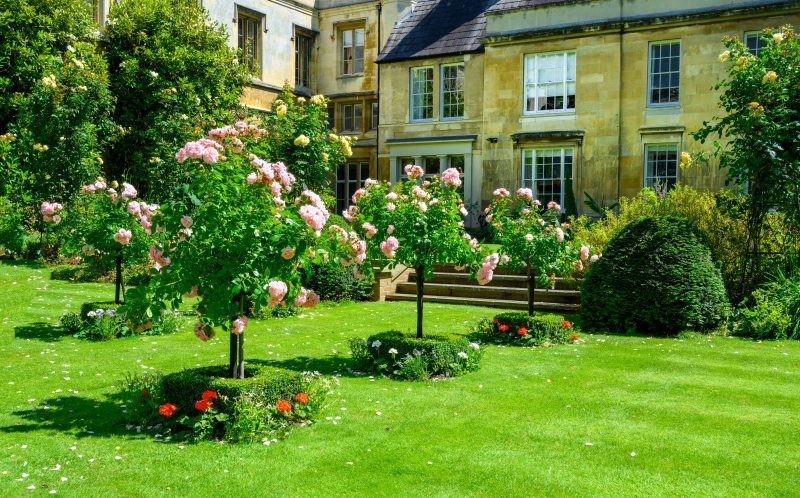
[395,354]
[202,403]
[521,329]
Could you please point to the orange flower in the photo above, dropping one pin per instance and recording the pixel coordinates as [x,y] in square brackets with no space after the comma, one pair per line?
[167,409]
[522,331]
[503,328]
[283,405]
[207,395]
[496,320]
[302,397]
[567,324]
[283,303]
[573,337]
[202,405]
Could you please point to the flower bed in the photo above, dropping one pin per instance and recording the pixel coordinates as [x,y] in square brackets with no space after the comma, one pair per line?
[395,354]
[100,322]
[202,403]
[520,329]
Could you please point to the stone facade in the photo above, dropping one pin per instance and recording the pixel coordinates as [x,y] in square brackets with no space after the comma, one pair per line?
[613,127]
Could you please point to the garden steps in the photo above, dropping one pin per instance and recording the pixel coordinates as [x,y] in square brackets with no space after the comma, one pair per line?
[506,290]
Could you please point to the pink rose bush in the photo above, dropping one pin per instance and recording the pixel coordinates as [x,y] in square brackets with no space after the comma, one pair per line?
[254,250]
[416,225]
[532,239]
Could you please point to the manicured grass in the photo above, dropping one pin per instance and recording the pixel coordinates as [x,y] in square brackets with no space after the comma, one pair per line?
[705,417]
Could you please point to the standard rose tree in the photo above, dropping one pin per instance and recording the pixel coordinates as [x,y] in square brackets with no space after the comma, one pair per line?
[418,226]
[249,233]
[531,237]
[103,224]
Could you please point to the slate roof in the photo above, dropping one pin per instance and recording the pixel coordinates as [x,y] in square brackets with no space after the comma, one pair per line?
[436,28]
[504,5]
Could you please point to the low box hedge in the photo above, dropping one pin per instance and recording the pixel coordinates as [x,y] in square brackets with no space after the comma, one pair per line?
[520,329]
[396,354]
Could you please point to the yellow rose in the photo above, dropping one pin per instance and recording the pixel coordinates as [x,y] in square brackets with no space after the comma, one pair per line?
[778,38]
[281,110]
[769,77]
[302,141]
[724,56]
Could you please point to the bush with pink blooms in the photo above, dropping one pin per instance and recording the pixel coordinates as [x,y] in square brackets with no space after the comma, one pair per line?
[244,234]
[105,225]
[417,225]
[531,237]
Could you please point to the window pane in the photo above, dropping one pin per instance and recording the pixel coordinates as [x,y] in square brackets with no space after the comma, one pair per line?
[331,117]
[661,166]
[421,93]
[550,82]
[755,42]
[374,116]
[453,91]
[357,118]
[347,118]
[431,166]
[545,171]
[664,73]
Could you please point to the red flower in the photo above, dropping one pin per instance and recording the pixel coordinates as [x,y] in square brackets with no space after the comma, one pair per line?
[283,405]
[202,405]
[207,395]
[567,324]
[522,331]
[167,409]
[573,337]
[503,328]
[302,397]
[496,320]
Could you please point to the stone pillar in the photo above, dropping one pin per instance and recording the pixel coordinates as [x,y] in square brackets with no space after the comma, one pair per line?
[443,164]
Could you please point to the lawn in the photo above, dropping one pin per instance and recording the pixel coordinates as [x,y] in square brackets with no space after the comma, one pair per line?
[612,416]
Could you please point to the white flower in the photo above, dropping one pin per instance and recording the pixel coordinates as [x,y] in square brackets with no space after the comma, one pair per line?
[463,354]
[474,345]
[154,74]
[393,351]
[91,314]
[376,344]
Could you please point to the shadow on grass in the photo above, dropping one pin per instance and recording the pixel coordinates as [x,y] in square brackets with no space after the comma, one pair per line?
[329,365]
[41,331]
[78,416]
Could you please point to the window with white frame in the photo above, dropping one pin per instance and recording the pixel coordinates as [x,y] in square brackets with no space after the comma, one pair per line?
[349,178]
[351,117]
[661,166]
[331,117]
[755,41]
[421,93]
[664,75]
[452,91]
[352,51]
[375,118]
[550,83]
[546,171]
[302,59]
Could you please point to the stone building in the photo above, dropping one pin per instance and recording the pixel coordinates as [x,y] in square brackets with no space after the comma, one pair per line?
[596,95]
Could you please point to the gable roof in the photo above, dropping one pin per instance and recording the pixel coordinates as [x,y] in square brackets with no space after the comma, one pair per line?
[436,28]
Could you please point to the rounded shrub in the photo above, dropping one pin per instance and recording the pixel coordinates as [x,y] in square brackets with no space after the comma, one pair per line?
[655,276]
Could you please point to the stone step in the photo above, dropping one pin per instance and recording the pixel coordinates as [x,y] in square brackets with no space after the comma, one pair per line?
[499,280]
[492,303]
[471,291]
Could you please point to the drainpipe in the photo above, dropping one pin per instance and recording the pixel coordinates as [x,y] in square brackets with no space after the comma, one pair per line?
[377,129]
[619,111]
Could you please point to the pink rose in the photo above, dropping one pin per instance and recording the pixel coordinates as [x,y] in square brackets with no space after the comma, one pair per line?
[277,290]
[584,253]
[390,230]
[525,193]
[123,236]
[186,221]
[287,253]
[504,259]
[389,246]
[370,229]
[451,177]
[559,234]
[529,237]
[238,325]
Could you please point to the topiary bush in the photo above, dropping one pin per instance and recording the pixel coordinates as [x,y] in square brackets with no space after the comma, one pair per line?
[202,403]
[518,328]
[657,275]
[775,313]
[395,354]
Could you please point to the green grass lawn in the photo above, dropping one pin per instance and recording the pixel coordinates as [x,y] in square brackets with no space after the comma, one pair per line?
[706,417]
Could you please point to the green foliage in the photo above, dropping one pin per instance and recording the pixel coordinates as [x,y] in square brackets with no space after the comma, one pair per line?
[775,314]
[395,354]
[71,323]
[657,276]
[597,207]
[716,214]
[298,136]
[520,329]
[334,282]
[12,235]
[761,100]
[243,410]
[173,75]
[570,206]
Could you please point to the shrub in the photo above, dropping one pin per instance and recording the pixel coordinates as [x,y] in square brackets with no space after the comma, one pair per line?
[71,323]
[520,329]
[656,276]
[334,282]
[11,232]
[401,355]
[239,409]
[776,313]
